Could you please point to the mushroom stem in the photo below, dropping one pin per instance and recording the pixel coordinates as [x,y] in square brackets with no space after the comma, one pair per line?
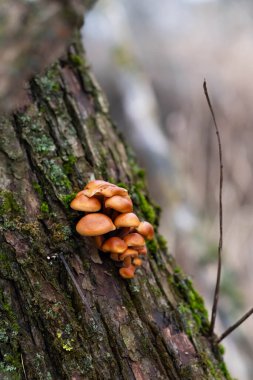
[127,272]
[114,256]
[99,241]
[127,262]
[124,231]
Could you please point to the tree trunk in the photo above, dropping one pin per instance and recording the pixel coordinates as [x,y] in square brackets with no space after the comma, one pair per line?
[65,312]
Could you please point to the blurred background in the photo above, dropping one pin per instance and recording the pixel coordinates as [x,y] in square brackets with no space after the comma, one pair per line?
[150,58]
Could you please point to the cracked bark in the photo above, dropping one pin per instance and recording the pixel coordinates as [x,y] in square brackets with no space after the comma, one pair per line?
[152,327]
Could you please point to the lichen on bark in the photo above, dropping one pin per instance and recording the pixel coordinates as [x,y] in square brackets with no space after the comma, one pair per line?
[151,327]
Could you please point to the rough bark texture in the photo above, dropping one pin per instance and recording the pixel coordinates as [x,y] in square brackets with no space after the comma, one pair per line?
[102,327]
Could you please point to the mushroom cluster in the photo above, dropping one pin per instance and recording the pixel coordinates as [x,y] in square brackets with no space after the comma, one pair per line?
[110,219]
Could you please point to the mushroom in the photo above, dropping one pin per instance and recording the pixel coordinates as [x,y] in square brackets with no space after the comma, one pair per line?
[99,241]
[83,203]
[115,211]
[114,256]
[110,191]
[137,261]
[114,245]
[94,225]
[91,187]
[146,229]
[96,183]
[119,203]
[142,250]
[107,189]
[127,256]
[127,272]
[127,220]
[134,239]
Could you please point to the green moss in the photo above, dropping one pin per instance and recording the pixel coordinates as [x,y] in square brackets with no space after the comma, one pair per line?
[224,370]
[69,163]
[10,364]
[76,60]
[25,118]
[155,290]
[87,364]
[39,365]
[178,270]
[57,175]
[67,343]
[42,144]
[209,366]
[66,199]
[217,368]
[6,264]
[221,349]
[145,207]
[30,229]
[148,209]
[48,82]
[49,86]
[213,367]
[136,170]
[38,189]
[53,312]
[152,246]
[193,300]
[162,242]
[121,184]
[133,287]
[44,208]
[190,326]
[60,232]
[8,204]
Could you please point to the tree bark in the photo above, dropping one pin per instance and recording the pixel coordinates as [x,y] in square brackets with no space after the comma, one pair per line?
[65,312]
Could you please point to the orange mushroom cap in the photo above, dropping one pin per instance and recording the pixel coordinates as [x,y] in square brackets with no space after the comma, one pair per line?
[142,250]
[119,203]
[83,203]
[137,262]
[107,189]
[127,272]
[110,191]
[94,225]
[114,245]
[146,229]
[128,253]
[96,183]
[91,187]
[134,239]
[127,220]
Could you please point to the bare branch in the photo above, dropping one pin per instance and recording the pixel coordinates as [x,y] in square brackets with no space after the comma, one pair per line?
[75,283]
[217,286]
[234,326]
[23,366]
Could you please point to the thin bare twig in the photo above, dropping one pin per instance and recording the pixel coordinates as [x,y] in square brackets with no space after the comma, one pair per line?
[79,290]
[23,366]
[235,325]
[217,286]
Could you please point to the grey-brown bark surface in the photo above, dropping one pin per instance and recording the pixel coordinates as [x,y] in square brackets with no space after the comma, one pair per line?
[33,34]
[98,326]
